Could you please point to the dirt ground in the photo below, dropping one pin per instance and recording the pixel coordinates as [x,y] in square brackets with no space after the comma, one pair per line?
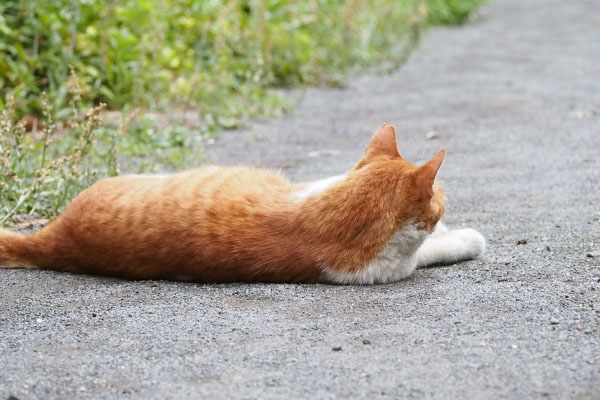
[514,98]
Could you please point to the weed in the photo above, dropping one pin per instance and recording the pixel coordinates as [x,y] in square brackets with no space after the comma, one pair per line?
[39,172]
[218,57]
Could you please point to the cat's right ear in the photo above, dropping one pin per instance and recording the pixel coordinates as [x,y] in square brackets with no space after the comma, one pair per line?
[425,174]
[384,142]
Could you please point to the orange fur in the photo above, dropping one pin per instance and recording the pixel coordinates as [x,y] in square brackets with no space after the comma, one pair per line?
[223,224]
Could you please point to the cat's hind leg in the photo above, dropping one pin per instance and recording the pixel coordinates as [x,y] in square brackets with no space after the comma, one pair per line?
[445,246]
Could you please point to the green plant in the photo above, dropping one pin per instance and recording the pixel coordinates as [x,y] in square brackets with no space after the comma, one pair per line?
[219,57]
[451,11]
[40,172]
[37,175]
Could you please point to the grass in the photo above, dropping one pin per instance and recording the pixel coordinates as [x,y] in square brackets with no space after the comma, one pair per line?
[40,172]
[37,171]
[65,64]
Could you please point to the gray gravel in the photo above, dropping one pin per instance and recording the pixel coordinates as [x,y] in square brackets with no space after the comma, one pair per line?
[514,98]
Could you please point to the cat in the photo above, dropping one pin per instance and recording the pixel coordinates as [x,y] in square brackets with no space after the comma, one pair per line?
[373,225]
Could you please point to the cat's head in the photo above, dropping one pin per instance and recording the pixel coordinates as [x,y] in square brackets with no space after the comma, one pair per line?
[416,193]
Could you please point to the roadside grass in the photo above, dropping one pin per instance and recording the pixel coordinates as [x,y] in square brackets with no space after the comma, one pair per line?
[219,57]
[73,74]
[40,172]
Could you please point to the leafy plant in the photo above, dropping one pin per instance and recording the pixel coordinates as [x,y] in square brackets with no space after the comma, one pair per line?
[451,11]
[219,57]
[36,174]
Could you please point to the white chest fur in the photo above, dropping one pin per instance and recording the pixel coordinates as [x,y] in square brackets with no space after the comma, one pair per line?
[396,261]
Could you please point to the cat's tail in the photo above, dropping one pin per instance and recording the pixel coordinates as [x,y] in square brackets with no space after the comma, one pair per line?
[17,250]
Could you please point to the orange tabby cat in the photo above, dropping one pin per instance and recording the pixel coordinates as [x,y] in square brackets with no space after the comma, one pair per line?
[223,224]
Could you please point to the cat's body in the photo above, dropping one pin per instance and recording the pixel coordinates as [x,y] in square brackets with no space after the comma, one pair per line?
[224,224]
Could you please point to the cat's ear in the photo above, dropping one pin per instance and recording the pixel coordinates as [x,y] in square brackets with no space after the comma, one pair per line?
[383,142]
[425,174]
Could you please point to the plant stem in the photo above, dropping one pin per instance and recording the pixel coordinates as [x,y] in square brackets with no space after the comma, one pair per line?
[16,207]
[44,147]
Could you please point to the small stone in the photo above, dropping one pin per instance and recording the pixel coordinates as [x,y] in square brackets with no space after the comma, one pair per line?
[93,314]
[522,241]
[431,135]
[581,114]
[337,348]
[366,341]
[554,321]
[578,328]
[548,248]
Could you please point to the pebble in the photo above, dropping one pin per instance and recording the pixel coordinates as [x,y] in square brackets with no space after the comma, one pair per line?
[366,341]
[323,153]
[522,241]
[431,135]
[337,348]
[554,321]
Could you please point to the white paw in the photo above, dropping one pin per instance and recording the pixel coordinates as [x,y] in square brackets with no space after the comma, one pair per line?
[451,247]
[473,241]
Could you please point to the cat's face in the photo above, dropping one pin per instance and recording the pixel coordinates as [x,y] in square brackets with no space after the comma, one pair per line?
[430,212]
[418,196]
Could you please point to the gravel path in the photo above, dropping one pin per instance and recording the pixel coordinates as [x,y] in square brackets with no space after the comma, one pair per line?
[514,98]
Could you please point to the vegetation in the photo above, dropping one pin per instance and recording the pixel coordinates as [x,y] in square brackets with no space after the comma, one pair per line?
[450,11]
[219,58]
[41,171]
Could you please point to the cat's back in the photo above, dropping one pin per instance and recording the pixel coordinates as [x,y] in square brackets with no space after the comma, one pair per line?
[162,222]
[136,200]
[199,183]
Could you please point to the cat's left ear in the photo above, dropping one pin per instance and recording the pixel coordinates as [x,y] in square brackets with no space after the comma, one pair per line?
[384,142]
[425,174]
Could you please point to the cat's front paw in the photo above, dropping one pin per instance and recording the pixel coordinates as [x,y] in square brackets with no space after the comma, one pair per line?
[473,242]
